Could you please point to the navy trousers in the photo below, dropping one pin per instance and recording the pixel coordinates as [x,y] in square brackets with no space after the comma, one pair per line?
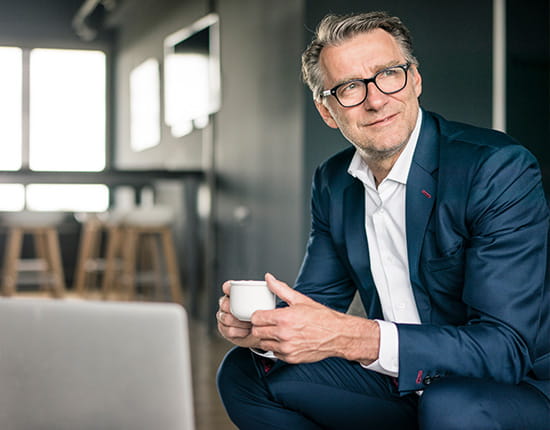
[338,394]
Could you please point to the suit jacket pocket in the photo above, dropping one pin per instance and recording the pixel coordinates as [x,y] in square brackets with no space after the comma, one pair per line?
[449,261]
[541,368]
[443,278]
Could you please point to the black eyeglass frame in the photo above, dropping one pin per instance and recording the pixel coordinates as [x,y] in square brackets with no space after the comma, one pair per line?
[332,91]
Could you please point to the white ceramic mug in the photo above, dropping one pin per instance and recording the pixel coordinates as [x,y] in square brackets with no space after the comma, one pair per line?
[246,297]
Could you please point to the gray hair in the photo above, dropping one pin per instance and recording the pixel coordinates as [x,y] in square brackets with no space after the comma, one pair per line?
[335,29]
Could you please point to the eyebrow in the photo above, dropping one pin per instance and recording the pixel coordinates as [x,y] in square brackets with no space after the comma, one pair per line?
[377,69]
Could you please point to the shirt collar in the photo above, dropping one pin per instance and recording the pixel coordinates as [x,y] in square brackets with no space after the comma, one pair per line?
[400,170]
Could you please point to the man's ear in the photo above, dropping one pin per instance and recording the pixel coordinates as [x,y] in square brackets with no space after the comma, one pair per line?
[417,81]
[325,114]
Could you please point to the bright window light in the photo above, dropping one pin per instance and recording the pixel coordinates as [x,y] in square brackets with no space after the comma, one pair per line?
[10,108]
[68,197]
[67,110]
[12,197]
[188,99]
[145,105]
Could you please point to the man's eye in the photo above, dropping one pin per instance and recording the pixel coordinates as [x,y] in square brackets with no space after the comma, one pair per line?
[350,86]
[389,72]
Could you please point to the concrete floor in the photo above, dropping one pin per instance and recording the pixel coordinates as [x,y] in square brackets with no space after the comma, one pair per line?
[207,352]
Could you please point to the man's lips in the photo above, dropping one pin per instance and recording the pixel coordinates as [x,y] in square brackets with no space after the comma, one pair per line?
[381,121]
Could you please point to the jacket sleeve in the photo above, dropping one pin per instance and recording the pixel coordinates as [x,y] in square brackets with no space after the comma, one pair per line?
[323,275]
[505,258]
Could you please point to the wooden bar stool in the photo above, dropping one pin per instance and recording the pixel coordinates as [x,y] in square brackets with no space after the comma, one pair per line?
[113,261]
[41,227]
[90,263]
[147,233]
[99,261]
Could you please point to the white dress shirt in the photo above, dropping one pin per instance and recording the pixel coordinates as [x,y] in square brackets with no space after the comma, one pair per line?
[385,227]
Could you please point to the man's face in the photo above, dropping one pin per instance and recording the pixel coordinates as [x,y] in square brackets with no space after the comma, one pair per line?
[379,127]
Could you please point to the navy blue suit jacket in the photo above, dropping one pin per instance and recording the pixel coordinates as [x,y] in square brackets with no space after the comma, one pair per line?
[477,227]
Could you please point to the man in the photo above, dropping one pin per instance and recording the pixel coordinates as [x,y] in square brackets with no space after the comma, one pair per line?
[441,227]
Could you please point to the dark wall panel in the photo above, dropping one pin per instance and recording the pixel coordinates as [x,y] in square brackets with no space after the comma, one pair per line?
[528,78]
[453,43]
[42,24]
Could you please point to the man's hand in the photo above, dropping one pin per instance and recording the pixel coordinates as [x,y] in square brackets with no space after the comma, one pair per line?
[307,331]
[234,330]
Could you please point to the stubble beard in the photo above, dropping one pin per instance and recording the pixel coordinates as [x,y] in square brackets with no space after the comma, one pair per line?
[377,155]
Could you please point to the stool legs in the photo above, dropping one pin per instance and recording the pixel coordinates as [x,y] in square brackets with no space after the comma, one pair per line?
[129,250]
[171,265]
[88,263]
[54,262]
[47,247]
[134,239]
[13,250]
[129,262]
[112,254]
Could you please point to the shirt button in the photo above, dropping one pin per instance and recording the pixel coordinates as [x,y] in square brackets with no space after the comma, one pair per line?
[401,306]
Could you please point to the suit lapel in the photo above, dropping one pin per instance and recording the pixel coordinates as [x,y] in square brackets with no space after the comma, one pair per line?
[421,190]
[357,246]
[420,198]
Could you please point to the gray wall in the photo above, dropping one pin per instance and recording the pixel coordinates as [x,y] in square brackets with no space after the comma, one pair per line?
[258,132]
[34,23]
[141,27]
[259,139]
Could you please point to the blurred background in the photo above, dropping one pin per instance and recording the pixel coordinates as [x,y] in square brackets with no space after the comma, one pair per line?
[192,114]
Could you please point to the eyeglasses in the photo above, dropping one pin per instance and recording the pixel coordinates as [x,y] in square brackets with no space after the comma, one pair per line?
[352,93]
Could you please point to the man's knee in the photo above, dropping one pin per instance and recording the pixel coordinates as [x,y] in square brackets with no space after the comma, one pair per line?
[469,403]
[234,370]
[456,404]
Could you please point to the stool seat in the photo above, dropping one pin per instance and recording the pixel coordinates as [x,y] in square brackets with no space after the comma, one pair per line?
[30,219]
[155,216]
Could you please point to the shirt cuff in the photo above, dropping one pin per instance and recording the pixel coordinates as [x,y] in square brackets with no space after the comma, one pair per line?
[388,356]
[262,353]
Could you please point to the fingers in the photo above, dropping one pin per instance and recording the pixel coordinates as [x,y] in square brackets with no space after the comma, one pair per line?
[228,320]
[224,305]
[284,292]
[225,317]
[265,333]
[266,318]
[230,327]
[234,334]
[226,287]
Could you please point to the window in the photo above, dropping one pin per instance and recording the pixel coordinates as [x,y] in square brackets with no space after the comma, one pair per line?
[10,108]
[67,197]
[12,197]
[67,110]
[63,95]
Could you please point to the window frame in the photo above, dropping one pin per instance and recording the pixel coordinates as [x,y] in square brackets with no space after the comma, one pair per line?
[24,175]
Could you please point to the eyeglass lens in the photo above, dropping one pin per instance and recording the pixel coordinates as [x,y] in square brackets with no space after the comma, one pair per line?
[388,81]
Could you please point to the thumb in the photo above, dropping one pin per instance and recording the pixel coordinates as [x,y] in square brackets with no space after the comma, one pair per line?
[284,292]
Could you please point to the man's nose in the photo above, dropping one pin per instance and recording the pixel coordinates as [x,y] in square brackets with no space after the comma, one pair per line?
[375,98]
